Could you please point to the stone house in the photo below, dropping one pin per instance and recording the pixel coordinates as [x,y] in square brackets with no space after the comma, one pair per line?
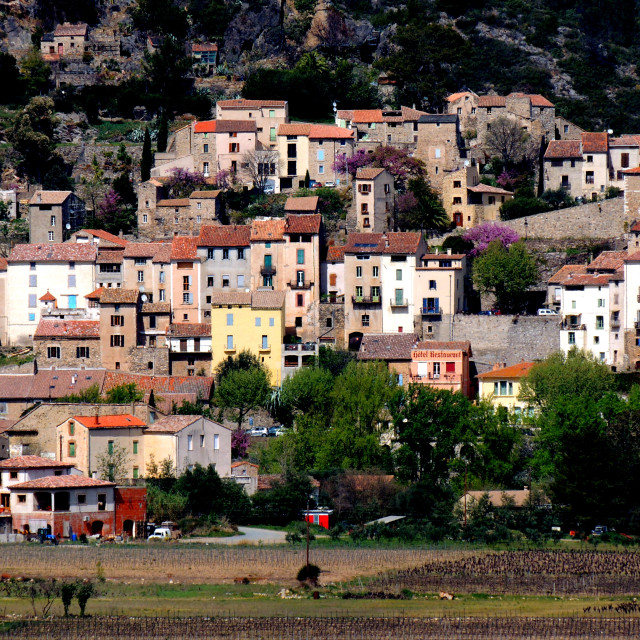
[54,216]
[624,153]
[374,200]
[468,202]
[464,104]
[189,348]
[567,130]
[225,262]
[331,310]
[205,55]
[67,40]
[118,326]
[85,441]
[392,348]
[147,268]
[313,148]
[268,116]
[67,343]
[304,204]
[188,441]
[246,475]
[64,271]
[185,279]
[234,140]
[109,269]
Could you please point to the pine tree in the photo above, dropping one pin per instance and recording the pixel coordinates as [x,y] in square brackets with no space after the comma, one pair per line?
[147,157]
[163,132]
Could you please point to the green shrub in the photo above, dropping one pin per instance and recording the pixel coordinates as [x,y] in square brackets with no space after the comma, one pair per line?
[309,573]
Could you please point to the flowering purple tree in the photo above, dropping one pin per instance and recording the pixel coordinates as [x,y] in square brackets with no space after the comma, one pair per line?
[223,179]
[351,165]
[486,233]
[399,163]
[508,179]
[239,443]
[182,183]
[111,207]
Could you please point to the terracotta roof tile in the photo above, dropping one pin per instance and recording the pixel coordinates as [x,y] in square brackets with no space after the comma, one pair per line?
[49,197]
[204,47]
[119,296]
[335,254]
[224,298]
[105,235]
[175,424]
[564,271]
[306,203]
[206,126]
[387,346]
[155,307]
[67,252]
[58,383]
[608,261]
[327,131]
[367,115]
[492,101]
[174,202]
[514,371]
[236,126]
[184,248]
[33,462]
[189,329]
[487,188]
[294,129]
[67,29]
[3,264]
[268,230]
[109,256]
[144,249]
[536,99]
[624,141]
[456,96]
[62,482]
[634,171]
[241,103]
[124,420]
[163,254]
[224,236]
[402,242]
[368,173]
[94,295]
[635,225]
[455,345]
[205,195]
[194,385]
[48,297]
[15,385]
[303,223]
[411,115]
[345,114]
[595,142]
[564,149]
[267,299]
[75,329]
[364,243]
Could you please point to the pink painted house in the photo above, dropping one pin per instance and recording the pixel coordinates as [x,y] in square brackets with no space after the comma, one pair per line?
[443,365]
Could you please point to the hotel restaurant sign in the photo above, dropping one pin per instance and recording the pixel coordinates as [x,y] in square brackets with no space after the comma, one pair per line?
[432,354]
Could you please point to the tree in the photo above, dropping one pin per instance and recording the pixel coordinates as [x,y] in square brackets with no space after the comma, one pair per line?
[506,273]
[508,141]
[36,73]
[12,84]
[12,233]
[486,233]
[93,187]
[576,374]
[114,464]
[182,183]
[331,30]
[286,499]
[244,361]
[163,131]
[124,394]
[161,17]
[243,391]
[146,161]
[421,208]
[261,164]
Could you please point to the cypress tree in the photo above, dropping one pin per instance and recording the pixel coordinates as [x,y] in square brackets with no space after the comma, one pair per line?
[163,132]
[147,157]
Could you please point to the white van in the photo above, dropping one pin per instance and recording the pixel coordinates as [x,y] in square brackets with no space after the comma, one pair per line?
[161,533]
[547,312]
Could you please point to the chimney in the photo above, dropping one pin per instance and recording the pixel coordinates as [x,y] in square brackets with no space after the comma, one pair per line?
[437,251]
[448,252]
[39,198]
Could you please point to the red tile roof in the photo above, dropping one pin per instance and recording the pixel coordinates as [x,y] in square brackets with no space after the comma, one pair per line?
[73,329]
[411,115]
[257,299]
[595,142]
[143,249]
[48,297]
[487,188]
[49,197]
[241,103]
[236,126]
[173,202]
[67,29]
[205,195]
[536,99]
[206,126]
[175,424]
[564,149]
[105,235]
[224,298]
[367,115]
[368,173]
[204,47]
[155,307]
[294,129]
[456,345]
[109,256]
[303,223]
[492,101]
[224,236]
[119,296]
[624,141]
[608,261]
[62,482]
[335,254]
[163,254]
[562,273]
[329,132]
[387,346]
[122,421]
[189,330]
[514,371]
[33,462]
[345,114]
[184,248]
[306,203]
[633,171]
[402,242]
[94,295]
[195,385]
[456,96]
[67,252]
[58,383]
[268,230]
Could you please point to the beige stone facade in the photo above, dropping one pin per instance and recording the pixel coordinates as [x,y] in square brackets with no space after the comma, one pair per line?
[68,40]
[49,214]
[118,326]
[68,344]
[268,116]
[374,196]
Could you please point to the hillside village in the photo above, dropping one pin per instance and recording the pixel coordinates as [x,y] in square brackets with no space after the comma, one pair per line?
[171,292]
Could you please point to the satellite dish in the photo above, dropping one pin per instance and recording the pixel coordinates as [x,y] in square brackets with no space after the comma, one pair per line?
[466,163]
[610,132]
[144,297]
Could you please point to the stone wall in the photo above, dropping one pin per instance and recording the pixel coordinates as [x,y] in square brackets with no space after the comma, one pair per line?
[493,339]
[596,220]
[139,358]
[68,353]
[335,311]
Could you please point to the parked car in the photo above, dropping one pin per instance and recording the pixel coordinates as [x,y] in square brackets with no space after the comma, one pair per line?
[268,189]
[161,533]
[599,530]
[314,184]
[547,312]
[276,430]
[330,183]
[259,432]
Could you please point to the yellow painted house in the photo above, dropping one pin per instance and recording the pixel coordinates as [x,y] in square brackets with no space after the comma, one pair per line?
[501,386]
[249,320]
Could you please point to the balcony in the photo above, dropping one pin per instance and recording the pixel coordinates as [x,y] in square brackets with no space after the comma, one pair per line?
[301,346]
[230,349]
[365,299]
[301,284]
[332,299]
[399,302]
[567,326]
[264,347]
[566,186]
[267,270]
[615,322]
[430,311]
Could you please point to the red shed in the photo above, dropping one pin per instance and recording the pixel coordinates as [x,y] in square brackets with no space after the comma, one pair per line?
[318,516]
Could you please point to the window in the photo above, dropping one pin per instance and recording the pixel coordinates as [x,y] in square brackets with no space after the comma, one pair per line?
[329,323]
[140,276]
[376,272]
[234,147]
[216,441]
[572,337]
[398,274]
[450,367]
[599,322]
[229,342]
[433,285]
[135,447]
[601,302]
[110,447]
[186,283]
[72,265]
[72,449]
[32,266]
[298,322]
[624,160]
[161,293]
[190,442]
[32,300]
[33,281]
[299,300]
[457,184]
[364,208]
[152,322]
[366,223]
[272,322]
[198,218]
[240,254]
[320,168]
[211,254]
[457,201]
[53,221]
[437,153]
[240,280]
[436,369]
[265,342]
[258,322]
[82,352]
[589,158]
[72,427]
[205,148]
[300,256]
[136,473]
[225,281]
[205,169]
[161,277]
[225,254]
[573,304]
[53,352]
[365,320]
[229,319]
[50,236]
[589,177]
[209,281]
[32,317]
[358,292]
[399,296]
[375,294]
[117,341]
[117,321]
[321,154]
[358,272]
[72,282]
[272,134]
[82,498]
[186,298]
